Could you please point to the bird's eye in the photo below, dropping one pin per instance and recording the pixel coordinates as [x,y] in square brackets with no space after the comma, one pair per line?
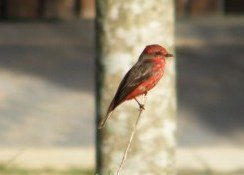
[158,53]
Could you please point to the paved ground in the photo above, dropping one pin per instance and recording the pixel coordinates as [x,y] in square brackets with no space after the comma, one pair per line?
[211,82]
[205,160]
[47,85]
[47,88]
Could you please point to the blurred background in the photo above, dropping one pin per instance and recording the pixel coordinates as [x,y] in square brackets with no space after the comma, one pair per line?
[47,100]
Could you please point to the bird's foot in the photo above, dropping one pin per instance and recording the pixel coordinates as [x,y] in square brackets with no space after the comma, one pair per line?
[141,107]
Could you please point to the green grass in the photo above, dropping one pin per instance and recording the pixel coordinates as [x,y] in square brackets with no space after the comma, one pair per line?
[47,171]
[207,172]
[78,171]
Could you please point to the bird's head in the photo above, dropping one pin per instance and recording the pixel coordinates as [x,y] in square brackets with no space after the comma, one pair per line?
[156,50]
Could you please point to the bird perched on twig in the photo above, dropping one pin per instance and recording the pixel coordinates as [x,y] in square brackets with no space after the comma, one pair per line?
[141,78]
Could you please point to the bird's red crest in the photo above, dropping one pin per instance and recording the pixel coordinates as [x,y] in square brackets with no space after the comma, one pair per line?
[154,48]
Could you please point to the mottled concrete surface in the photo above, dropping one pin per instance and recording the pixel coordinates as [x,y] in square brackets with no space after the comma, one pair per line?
[124,30]
[47,83]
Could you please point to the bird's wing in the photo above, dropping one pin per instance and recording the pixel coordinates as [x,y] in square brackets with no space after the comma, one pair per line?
[135,76]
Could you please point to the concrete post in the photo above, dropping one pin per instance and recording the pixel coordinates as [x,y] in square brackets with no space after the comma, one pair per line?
[87,9]
[59,9]
[123,29]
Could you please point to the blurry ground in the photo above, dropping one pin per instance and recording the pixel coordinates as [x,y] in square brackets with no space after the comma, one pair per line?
[47,83]
[45,171]
[211,82]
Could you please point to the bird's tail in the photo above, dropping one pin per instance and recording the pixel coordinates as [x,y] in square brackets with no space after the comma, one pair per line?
[103,122]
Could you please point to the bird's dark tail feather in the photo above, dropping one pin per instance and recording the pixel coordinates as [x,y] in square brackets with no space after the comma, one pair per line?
[103,122]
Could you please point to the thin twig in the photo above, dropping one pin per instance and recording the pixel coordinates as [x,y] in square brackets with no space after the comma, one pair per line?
[131,136]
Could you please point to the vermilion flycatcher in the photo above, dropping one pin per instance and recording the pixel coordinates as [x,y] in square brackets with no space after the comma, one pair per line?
[141,78]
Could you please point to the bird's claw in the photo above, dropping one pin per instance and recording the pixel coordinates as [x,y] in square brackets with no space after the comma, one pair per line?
[142,107]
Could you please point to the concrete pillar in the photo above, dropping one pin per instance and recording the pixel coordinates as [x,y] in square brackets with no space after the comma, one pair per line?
[59,9]
[87,9]
[123,29]
[22,9]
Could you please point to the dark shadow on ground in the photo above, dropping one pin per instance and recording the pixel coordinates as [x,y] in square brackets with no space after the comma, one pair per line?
[47,84]
[211,85]
[59,52]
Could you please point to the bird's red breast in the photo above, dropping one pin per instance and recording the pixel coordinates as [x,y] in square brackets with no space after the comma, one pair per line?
[146,85]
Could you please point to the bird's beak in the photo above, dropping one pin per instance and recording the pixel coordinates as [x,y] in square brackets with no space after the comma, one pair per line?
[169,55]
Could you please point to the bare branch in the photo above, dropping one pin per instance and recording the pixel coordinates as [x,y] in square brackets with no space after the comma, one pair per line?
[141,108]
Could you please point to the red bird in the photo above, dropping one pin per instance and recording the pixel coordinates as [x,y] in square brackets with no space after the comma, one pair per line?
[141,78]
